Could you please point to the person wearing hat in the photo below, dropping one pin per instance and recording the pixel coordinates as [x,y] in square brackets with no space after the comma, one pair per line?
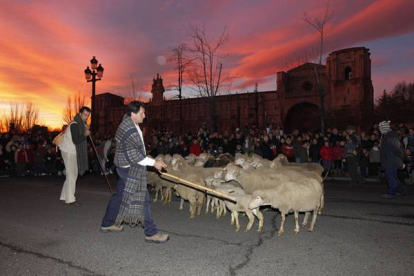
[391,157]
[352,159]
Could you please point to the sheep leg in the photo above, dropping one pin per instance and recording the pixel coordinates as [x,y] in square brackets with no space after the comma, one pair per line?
[181,204]
[296,222]
[251,220]
[220,207]
[156,195]
[305,219]
[282,224]
[193,208]
[199,208]
[259,216]
[232,219]
[170,195]
[165,195]
[209,199]
[236,218]
[322,202]
[315,214]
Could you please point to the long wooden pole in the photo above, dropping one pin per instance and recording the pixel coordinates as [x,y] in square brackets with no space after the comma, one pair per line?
[100,165]
[200,187]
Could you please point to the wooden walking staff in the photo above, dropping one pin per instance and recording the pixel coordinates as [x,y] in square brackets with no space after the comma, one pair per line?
[100,165]
[200,187]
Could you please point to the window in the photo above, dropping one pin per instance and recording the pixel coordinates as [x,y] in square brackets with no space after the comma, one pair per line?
[348,73]
[307,86]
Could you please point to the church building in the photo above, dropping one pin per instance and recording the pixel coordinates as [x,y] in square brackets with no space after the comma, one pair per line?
[348,98]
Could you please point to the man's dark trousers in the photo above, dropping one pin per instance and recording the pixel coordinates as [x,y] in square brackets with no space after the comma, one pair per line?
[114,204]
[353,170]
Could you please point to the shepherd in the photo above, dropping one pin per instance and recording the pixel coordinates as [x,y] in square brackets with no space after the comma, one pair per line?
[130,202]
[74,150]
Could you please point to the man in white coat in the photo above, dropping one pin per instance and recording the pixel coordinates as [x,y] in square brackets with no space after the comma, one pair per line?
[74,154]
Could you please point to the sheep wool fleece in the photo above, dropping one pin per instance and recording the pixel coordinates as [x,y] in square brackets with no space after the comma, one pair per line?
[129,151]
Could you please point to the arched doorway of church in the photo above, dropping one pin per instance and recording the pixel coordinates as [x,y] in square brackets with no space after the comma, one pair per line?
[302,116]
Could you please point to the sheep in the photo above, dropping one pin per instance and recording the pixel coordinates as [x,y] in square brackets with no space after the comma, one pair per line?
[195,197]
[282,160]
[218,185]
[166,185]
[254,179]
[300,196]
[242,205]
[155,181]
[184,166]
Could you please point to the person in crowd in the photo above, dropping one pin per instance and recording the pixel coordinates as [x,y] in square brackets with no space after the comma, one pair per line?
[364,162]
[409,140]
[130,202]
[391,160]
[352,158]
[326,153]
[287,149]
[38,159]
[374,160]
[297,145]
[338,153]
[248,146]
[314,149]
[74,151]
[49,161]
[20,159]
[195,147]
[265,148]
[303,152]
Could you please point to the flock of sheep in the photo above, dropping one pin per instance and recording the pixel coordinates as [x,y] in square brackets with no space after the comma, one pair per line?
[252,181]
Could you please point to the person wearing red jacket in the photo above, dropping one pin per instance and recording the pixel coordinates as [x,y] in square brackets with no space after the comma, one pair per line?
[327,156]
[287,150]
[195,148]
[338,155]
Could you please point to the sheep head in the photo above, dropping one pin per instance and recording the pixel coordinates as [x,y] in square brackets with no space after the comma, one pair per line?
[191,159]
[233,173]
[240,160]
[256,202]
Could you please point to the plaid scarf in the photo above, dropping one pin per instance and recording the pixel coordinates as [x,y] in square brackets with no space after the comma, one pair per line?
[81,148]
[130,146]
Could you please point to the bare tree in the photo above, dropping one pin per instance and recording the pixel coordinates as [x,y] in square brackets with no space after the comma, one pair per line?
[73,105]
[134,90]
[21,117]
[15,119]
[320,25]
[206,72]
[30,116]
[178,56]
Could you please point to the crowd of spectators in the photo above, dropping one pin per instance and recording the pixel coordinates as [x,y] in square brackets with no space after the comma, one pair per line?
[34,153]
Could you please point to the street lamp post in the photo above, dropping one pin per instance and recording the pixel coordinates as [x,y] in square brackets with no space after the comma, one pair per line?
[94,74]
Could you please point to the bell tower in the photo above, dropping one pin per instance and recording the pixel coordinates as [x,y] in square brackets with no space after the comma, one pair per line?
[349,75]
[157,90]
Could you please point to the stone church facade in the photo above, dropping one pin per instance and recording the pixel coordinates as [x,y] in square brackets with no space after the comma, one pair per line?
[348,99]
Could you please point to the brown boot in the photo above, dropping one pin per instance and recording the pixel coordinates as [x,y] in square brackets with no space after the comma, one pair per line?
[158,238]
[112,228]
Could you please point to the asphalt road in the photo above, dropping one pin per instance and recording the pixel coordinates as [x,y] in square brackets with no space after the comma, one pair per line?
[359,233]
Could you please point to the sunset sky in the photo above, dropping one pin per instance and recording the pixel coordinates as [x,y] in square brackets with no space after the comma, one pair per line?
[46,45]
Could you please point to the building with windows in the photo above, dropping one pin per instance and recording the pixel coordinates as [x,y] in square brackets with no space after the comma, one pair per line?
[345,80]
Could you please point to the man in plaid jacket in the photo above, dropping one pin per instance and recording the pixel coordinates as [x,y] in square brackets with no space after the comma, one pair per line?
[130,202]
